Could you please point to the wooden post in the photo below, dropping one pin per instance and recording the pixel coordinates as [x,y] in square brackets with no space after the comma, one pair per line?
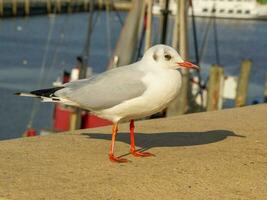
[214,87]
[77,116]
[108,27]
[48,6]
[69,10]
[149,4]
[180,104]
[165,14]
[85,5]
[1,8]
[183,50]
[171,110]
[58,6]
[265,89]
[14,7]
[175,34]
[73,120]
[100,4]
[27,7]
[161,5]
[128,37]
[243,81]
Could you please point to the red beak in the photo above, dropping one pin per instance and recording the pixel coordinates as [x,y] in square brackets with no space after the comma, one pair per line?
[188,65]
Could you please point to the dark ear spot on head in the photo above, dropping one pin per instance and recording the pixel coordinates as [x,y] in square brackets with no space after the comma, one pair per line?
[167,56]
[155,57]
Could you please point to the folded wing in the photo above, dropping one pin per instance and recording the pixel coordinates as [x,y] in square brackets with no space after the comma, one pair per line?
[105,90]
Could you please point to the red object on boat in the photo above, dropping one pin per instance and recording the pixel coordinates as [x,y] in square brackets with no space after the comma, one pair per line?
[62,114]
[92,121]
[30,132]
[66,77]
[61,118]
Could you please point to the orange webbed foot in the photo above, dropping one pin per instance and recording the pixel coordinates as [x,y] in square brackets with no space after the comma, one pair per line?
[116,159]
[141,154]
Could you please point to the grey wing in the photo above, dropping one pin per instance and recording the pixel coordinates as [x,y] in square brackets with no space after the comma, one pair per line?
[105,90]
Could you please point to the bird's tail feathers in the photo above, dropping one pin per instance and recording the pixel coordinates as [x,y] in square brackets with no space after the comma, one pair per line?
[47,95]
[24,94]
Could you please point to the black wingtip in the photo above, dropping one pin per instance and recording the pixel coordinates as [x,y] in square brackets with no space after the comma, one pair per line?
[17,93]
[46,92]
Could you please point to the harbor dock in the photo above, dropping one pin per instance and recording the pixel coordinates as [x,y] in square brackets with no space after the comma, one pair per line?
[211,155]
[9,8]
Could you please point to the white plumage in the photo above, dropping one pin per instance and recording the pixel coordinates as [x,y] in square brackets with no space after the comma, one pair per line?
[125,93]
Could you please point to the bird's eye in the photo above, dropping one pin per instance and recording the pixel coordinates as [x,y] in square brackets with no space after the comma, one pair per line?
[167,57]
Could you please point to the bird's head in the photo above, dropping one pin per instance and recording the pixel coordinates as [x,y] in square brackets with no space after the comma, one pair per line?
[166,57]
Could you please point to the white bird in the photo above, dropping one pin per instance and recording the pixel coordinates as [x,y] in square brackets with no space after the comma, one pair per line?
[125,93]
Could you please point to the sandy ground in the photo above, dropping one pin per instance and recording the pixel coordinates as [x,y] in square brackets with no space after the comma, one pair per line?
[215,155]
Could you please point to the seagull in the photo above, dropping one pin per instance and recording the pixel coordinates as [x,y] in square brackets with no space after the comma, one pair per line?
[126,93]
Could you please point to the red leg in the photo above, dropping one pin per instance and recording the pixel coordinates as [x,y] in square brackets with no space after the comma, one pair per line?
[133,151]
[111,151]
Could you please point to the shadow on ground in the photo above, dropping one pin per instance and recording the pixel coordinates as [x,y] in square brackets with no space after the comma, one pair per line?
[169,139]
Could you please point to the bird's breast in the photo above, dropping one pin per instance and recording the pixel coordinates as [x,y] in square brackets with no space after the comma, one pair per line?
[162,87]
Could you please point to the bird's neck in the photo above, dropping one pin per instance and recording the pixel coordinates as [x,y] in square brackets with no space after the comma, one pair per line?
[144,63]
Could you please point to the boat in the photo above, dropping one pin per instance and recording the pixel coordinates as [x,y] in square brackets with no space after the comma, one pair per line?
[63,114]
[240,9]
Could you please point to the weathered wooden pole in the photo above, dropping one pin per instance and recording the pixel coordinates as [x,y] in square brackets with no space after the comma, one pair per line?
[48,6]
[175,33]
[183,50]
[180,104]
[76,117]
[1,8]
[85,5]
[128,37]
[149,4]
[14,7]
[161,5]
[100,4]
[165,14]
[58,6]
[108,27]
[27,7]
[265,89]
[216,77]
[69,9]
[243,82]
[171,110]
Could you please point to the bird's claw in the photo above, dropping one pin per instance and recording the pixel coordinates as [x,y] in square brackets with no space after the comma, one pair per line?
[141,154]
[117,160]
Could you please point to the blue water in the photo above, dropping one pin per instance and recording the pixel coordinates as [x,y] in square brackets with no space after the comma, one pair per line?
[22,48]
[23,42]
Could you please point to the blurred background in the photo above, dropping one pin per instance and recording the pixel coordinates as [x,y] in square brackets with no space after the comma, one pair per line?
[43,42]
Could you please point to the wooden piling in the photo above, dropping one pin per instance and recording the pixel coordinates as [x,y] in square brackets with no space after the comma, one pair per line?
[265,89]
[69,9]
[85,5]
[1,8]
[148,24]
[14,7]
[73,120]
[100,4]
[215,87]
[243,81]
[24,7]
[48,6]
[27,7]
[180,105]
[83,65]
[58,6]
[128,37]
